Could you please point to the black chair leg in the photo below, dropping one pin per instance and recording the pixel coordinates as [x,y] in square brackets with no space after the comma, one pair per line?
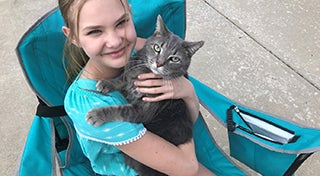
[297,163]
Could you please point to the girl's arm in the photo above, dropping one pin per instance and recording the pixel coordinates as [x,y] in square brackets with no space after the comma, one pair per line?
[163,156]
[170,159]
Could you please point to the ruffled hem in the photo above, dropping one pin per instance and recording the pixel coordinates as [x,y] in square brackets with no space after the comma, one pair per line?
[141,133]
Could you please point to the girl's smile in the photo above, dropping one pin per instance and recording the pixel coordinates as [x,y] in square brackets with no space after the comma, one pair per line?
[116,54]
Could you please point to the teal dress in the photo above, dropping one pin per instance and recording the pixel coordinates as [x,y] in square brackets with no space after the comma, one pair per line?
[99,143]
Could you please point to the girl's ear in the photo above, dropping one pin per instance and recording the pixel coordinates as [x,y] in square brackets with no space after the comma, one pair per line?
[66,32]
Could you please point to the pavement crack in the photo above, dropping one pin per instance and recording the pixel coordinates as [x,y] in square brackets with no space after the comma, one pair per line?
[261,45]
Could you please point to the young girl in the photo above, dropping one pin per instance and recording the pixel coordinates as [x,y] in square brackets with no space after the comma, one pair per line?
[101,37]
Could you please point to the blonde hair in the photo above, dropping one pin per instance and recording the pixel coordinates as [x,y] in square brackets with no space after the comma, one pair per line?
[74,57]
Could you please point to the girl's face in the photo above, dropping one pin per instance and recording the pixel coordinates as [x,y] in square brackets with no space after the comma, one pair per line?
[106,34]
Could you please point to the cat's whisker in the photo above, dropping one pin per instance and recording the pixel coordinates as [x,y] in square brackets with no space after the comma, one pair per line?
[135,67]
[126,70]
[135,62]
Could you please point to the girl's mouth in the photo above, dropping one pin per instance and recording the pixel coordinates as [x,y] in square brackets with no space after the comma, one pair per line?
[116,54]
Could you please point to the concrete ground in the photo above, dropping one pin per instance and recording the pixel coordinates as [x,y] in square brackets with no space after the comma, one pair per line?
[264,54]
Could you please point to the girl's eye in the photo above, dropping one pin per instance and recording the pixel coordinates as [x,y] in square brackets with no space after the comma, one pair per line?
[122,22]
[156,48]
[93,32]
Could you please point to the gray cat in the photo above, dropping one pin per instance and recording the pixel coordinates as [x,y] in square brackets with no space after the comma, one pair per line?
[164,54]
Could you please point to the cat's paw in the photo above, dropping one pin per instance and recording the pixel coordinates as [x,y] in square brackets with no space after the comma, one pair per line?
[93,117]
[102,86]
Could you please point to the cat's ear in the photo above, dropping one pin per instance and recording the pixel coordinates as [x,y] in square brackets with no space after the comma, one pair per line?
[192,47]
[161,27]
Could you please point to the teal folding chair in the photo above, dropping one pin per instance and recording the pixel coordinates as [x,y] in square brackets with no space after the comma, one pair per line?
[267,144]
[52,148]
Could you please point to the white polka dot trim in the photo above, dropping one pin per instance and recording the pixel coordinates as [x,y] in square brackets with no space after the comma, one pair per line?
[128,141]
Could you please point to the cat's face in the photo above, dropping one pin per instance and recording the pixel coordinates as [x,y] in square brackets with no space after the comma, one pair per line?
[168,55]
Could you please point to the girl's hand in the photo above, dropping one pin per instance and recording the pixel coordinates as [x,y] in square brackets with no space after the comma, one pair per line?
[178,88]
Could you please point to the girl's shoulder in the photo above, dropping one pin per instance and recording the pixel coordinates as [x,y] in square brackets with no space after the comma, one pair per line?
[80,99]
[84,90]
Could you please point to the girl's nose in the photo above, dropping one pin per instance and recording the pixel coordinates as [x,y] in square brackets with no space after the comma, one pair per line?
[113,40]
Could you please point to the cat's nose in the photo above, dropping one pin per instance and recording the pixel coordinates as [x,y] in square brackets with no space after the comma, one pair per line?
[160,62]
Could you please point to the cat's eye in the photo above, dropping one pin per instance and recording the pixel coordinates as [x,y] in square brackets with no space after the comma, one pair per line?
[156,48]
[174,59]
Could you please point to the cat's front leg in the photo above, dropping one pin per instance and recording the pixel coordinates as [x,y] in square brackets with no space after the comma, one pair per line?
[105,86]
[93,117]
[98,116]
